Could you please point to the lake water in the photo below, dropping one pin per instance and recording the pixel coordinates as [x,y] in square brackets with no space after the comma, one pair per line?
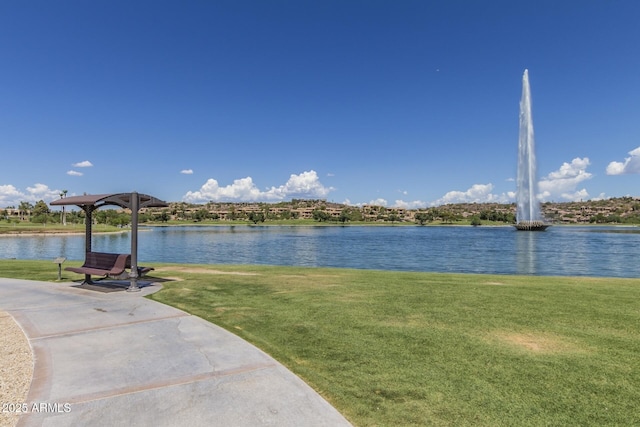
[579,251]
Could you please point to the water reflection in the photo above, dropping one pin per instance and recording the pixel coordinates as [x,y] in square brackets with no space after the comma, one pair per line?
[525,252]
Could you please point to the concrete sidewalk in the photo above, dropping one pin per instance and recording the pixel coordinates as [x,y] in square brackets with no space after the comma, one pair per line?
[106,359]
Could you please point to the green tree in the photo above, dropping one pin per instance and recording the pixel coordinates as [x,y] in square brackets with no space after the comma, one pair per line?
[598,218]
[40,212]
[614,218]
[423,217]
[201,215]
[100,217]
[286,214]
[256,217]
[40,208]
[24,209]
[120,219]
[164,216]
[356,214]
[345,216]
[320,215]
[447,217]
[475,220]
[144,217]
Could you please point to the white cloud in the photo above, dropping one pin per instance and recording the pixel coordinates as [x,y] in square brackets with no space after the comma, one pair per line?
[576,196]
[631,164]
[416,204]
[378,202]
[241,189]
[577,168]
[84,164]
[304,185]
[478,193]
[74,173]
[187,171]
[11,196]
[42,192]
[563,182]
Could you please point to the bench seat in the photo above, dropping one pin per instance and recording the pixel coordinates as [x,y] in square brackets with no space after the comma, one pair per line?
[90,271]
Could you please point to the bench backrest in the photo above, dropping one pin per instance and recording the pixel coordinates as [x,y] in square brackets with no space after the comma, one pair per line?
[102,260]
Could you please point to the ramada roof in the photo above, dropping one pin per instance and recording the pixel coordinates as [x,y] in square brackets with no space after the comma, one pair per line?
[116,199]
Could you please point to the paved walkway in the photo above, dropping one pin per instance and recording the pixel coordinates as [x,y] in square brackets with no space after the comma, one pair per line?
[106,359]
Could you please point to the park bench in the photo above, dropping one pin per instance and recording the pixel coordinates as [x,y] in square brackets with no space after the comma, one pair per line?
[107,265]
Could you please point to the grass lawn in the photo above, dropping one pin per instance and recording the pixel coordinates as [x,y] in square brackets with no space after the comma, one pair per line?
[395,349]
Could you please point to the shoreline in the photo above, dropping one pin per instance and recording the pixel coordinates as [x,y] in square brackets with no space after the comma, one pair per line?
[60,232]
[221,268]
[31,233]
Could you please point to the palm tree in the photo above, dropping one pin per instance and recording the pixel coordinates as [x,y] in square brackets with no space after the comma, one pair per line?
[63,194]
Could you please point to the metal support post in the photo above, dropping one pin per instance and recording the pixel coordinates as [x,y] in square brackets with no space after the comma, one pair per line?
[133,274]
[88,222]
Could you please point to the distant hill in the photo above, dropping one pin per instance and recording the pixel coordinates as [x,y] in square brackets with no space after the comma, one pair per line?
[623,210]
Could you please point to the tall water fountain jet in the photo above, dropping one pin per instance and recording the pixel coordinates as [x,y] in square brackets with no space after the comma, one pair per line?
[528,215]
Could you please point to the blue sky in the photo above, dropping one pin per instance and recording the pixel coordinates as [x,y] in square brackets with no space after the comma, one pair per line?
[400,103]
